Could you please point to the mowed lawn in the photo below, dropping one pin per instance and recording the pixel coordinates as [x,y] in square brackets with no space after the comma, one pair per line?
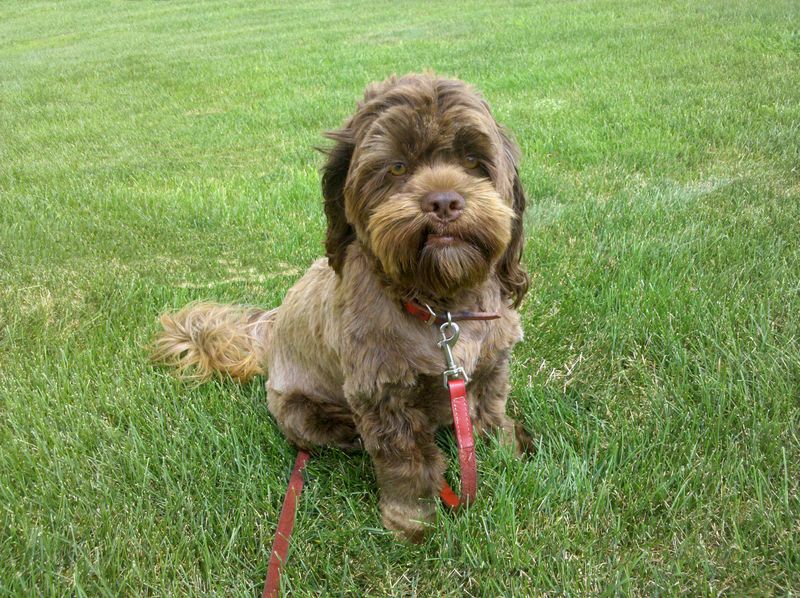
[153,153]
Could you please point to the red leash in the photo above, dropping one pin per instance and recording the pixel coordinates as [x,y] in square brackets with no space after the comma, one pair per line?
[280,546]
[466,448]
[455,379]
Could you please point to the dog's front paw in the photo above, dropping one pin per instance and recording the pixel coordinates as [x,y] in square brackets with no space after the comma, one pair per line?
[409,520]
[525,442]
[509,434]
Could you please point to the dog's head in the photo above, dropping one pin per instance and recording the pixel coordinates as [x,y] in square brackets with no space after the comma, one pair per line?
[427,181]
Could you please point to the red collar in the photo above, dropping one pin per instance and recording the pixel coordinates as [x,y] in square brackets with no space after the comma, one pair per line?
[427,315]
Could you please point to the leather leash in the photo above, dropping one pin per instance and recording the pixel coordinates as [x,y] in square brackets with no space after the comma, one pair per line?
[455,380]
[280,546]
[466,448]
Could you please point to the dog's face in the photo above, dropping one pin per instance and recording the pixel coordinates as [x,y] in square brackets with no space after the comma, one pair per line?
[426,180]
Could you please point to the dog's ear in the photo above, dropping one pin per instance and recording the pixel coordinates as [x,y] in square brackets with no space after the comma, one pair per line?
[334,175]
[513,277]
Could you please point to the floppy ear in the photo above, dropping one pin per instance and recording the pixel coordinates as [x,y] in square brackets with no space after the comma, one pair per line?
[513,278]
[334,174]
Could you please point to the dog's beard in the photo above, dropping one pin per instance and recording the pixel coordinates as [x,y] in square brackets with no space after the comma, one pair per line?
[444,270]
[440,260]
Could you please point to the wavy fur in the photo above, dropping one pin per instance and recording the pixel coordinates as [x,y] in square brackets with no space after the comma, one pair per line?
[206,339]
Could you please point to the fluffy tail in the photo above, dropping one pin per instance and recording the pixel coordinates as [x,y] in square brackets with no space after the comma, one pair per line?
[207,339]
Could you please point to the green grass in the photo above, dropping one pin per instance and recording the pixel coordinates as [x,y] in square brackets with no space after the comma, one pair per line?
[152,153]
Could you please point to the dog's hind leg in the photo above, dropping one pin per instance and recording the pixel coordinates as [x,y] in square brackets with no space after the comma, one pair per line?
[308,422]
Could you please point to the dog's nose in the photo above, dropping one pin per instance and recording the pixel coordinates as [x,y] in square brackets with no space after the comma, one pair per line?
[446,205]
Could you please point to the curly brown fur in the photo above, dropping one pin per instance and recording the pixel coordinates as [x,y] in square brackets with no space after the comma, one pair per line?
[347,366]
[206,339]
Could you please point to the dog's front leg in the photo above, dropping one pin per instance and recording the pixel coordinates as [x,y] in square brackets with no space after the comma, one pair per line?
[399,437]
[491,387]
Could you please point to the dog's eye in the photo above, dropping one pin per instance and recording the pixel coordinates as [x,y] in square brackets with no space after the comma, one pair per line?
[471,162]
[397,169]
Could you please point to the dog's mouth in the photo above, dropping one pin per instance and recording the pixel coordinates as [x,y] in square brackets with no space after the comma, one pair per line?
[435,257]
[449,258]
[441,237]
[441,240]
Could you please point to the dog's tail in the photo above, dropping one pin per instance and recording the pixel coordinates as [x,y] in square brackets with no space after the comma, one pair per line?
[206,339]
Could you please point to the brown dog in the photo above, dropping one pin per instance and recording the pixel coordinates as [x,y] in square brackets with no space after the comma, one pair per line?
[424,203]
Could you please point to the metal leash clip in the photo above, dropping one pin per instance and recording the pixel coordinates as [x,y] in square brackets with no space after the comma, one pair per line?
[453,371]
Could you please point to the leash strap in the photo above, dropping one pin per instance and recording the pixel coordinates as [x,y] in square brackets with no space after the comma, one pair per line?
[280,547]
[466,448]
[455,380]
